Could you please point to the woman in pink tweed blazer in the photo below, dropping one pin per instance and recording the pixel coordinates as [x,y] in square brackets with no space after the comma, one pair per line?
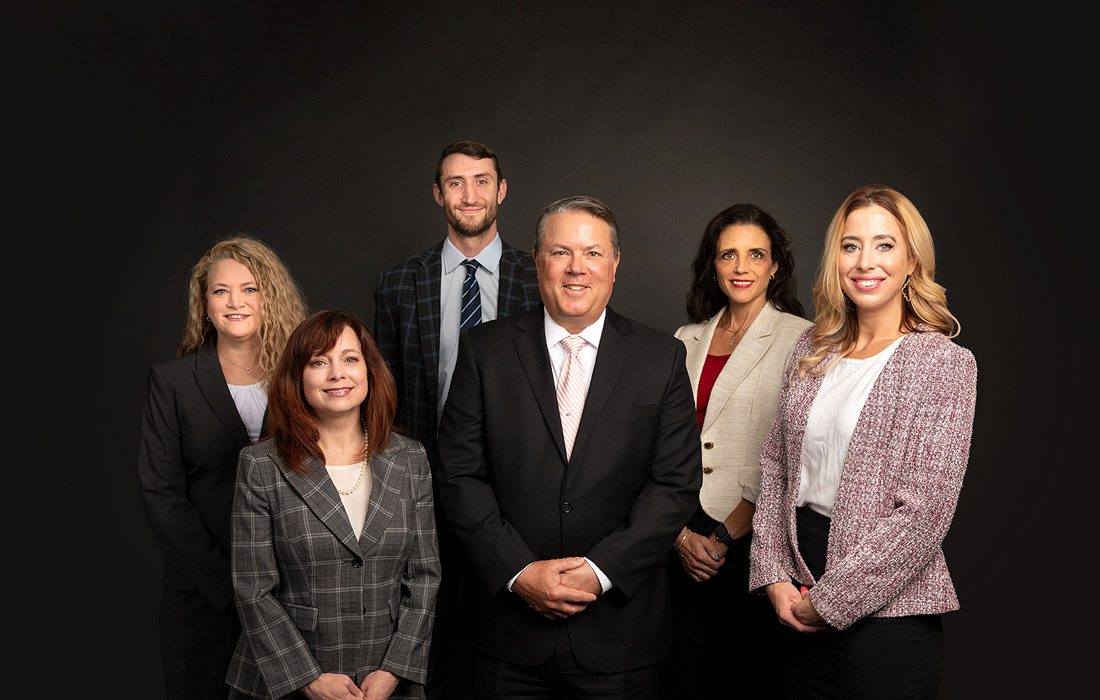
[862,468]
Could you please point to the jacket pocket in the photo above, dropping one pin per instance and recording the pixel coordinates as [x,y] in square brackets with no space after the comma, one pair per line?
[303,616]
[627,414]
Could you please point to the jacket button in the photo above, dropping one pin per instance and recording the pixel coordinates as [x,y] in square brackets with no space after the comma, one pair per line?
[708,470]
[356,563]
[566,506]
[708,445]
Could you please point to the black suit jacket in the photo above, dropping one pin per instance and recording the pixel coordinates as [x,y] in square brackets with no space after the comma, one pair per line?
[406,328]
[512,498]
[191,436]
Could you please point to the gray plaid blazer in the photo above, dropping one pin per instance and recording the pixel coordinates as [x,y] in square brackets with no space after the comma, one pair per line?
[406,327]
[311,597]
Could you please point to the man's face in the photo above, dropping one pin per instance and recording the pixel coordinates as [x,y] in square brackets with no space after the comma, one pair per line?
[576,267]
[469,194]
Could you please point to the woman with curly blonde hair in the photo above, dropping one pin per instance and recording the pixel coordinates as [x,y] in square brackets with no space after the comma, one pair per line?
[201,408]
[862,468]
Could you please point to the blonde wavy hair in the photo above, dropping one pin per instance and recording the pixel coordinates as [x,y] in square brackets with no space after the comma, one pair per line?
[835,325]
[284,305]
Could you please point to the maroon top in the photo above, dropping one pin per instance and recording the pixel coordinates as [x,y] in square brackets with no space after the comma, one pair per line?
[711,369]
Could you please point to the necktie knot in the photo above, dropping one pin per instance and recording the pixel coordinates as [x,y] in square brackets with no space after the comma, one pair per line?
[573,343]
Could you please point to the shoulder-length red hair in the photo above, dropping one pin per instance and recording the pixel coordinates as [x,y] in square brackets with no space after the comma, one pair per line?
[292,421]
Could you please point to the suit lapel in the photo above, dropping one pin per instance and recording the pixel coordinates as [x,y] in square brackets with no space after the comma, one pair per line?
[530,346]
[697,347]
[428,312]
[387,477]
[319,493]
[211,381]
[610,360]
[758,338]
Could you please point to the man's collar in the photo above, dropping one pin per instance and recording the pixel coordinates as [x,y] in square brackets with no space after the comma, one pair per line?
[489,257]
[554,332]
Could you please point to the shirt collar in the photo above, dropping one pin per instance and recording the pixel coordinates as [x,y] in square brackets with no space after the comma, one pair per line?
[554,332]
[489,257]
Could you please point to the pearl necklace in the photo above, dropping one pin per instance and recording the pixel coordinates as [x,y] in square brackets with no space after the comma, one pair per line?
[362,467]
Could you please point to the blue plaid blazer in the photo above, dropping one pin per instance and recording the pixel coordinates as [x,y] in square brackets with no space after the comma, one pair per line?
[406,328]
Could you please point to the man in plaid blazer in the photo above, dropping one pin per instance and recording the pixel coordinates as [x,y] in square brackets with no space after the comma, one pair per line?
[416,324]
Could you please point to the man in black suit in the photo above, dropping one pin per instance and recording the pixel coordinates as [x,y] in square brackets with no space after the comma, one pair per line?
[567,537]
[417,313]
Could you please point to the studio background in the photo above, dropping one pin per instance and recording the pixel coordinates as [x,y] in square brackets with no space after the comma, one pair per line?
[139,134]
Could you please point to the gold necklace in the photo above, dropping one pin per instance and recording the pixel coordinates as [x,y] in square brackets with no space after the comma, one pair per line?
[247,370]
[739,331]
[362,467]
[729,329]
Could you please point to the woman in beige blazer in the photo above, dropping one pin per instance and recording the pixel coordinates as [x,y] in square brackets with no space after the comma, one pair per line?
[747,319]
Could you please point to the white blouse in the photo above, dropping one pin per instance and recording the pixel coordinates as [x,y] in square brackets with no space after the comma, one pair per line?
[251,402]
[830,424]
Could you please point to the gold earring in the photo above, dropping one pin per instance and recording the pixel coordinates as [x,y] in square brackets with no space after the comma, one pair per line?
[905,290]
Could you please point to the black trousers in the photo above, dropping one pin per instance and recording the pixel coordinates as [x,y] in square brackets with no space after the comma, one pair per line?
[449,654]
[561,677]
[877,657]
[723,637]
[196,642]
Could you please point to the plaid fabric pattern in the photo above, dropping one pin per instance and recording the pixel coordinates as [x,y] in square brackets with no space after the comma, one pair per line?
[311,597]
[406,328]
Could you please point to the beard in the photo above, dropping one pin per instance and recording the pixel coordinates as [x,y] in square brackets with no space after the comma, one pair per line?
[472,228]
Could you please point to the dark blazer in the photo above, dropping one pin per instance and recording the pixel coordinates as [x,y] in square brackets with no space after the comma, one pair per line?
[406,328]
[191,435]
[312,598]
[512,498]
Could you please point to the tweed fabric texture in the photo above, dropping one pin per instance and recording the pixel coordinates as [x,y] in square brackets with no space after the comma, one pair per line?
[898,488]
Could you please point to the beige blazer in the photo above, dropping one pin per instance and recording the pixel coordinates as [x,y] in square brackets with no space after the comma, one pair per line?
[743,403]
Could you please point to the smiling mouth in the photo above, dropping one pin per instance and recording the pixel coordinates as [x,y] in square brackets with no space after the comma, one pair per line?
[867,284]
[341,391]
[236,317]
[741,284]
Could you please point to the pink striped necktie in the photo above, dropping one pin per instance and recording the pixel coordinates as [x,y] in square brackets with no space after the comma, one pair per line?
[571,391]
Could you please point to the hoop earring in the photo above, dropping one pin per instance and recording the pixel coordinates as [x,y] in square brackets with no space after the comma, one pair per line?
[905,294]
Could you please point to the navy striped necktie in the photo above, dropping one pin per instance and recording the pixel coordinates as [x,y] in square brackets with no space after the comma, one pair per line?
[471,297]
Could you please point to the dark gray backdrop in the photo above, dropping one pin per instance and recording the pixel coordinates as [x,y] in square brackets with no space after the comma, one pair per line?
[142,133]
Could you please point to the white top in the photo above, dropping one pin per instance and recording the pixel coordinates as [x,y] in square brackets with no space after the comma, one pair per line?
[450,303]
[355,504]
[830,424]
[251,402]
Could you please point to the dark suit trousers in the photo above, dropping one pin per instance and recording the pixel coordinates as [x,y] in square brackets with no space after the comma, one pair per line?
[196,642]
[449,655]
[723,637]
[559,678]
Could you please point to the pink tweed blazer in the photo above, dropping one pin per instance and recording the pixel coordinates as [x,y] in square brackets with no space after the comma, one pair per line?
[898,487]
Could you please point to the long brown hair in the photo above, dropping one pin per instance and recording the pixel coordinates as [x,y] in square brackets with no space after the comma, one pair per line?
[292,421]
